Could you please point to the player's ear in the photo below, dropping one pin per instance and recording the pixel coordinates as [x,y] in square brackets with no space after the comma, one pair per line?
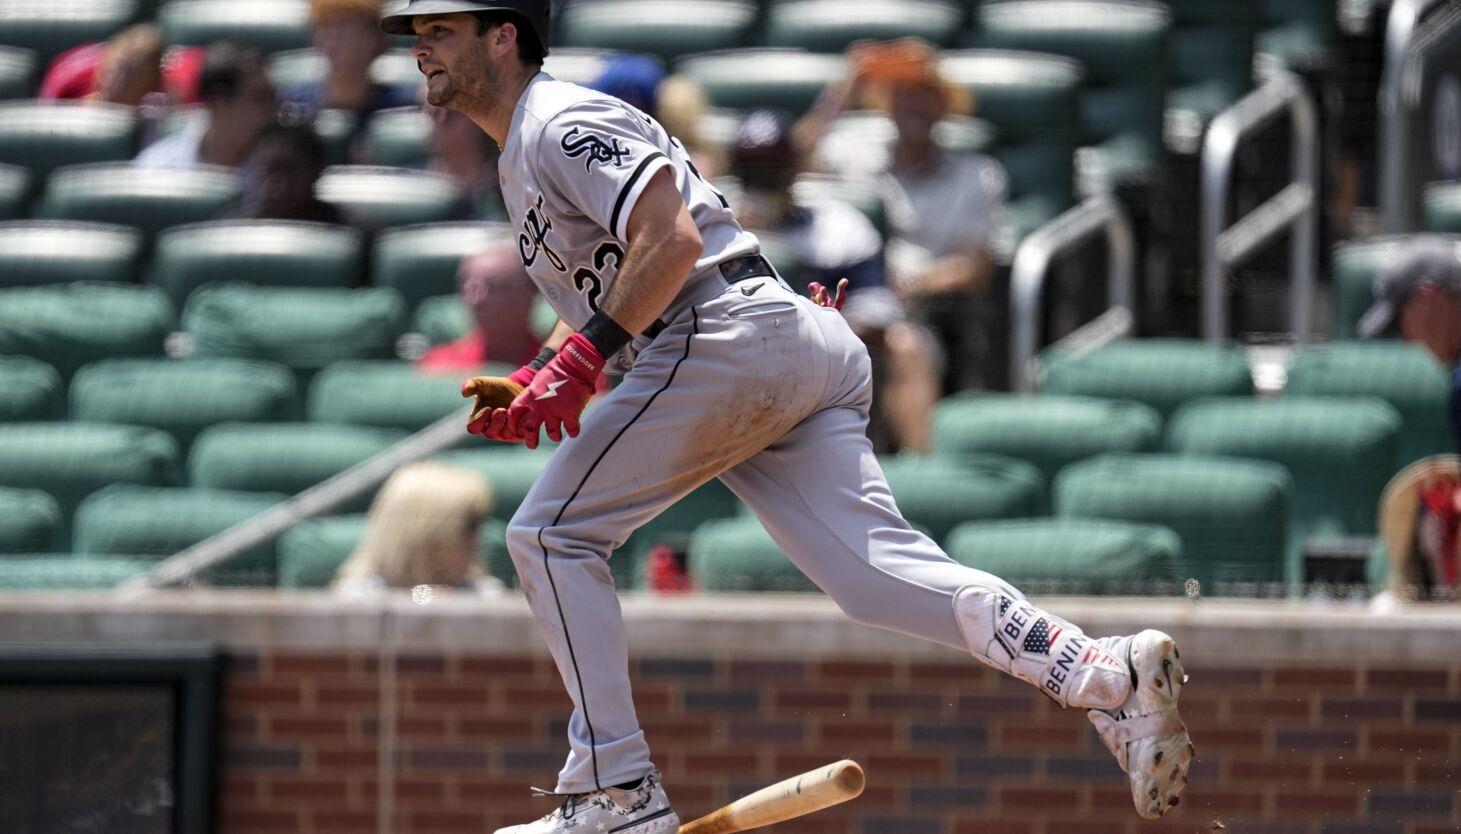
[504,38]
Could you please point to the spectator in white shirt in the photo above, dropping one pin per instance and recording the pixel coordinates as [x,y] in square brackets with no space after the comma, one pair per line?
[240,102]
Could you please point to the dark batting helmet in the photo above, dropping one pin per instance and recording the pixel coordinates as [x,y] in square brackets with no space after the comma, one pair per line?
[534,12]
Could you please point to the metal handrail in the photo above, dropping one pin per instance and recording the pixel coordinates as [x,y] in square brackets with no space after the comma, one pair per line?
[1031,266]
[1400,90]
[1296,207]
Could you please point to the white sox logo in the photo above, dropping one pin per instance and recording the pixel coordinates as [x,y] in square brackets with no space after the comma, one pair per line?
[595,147]
[533,239]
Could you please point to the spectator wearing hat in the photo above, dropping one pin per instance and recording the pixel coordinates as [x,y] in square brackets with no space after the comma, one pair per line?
[1419,294]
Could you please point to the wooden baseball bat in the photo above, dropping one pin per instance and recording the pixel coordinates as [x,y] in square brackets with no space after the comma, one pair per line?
[800,795]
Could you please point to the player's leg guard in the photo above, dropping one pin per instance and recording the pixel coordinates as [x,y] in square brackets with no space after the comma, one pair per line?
[1016,637]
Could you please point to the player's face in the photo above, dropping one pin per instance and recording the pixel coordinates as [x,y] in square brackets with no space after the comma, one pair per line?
[454,59]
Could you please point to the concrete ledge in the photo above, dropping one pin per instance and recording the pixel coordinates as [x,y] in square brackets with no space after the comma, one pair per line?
[1218,632]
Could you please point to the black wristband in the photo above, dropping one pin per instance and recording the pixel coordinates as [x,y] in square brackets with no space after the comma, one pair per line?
[543,357]
[605,334]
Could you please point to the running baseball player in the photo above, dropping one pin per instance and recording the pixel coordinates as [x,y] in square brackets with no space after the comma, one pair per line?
[727,373]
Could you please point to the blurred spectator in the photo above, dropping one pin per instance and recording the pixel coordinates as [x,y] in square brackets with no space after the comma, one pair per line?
[682,105]
[347,34]
[123,70]
[496,289]
[286,162]
[422,529]
[235,88]
[833,240]
[465,152]
[632,78]
[1420,294]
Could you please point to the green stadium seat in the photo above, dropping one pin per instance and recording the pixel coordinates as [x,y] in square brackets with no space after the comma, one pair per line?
[1161,373]
[146,198]
[1123,46]
[283,457]
[1232,515]
[18,72]
[184,396]
[163,521]
[746,79]
[1295,34]
[270,25]
[311,552]
[30,390]
[38,252]
[337,130]
[1442,211]
[71,460]
[303,67]
[1340,451]
[666,28]
[1071,555]
[511,469]
[578,66]
[273,253]
[50,28]
[443,318]
[1354,265]
[45,135]
[1211,64]
[30,521]
[1033,102]
[674,527]
[399,137]
[305,329]
[830,25]
[737,554]
[52,572]
[1403,375]
[14,191]
[936,494]
[422,261]
[391,196]
[1047,430]
[387,394]
[72,324]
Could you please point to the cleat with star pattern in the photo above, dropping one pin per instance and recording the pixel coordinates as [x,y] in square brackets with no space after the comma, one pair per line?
[640,810]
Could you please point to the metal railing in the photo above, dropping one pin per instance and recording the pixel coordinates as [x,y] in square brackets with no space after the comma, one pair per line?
[216,550]
[1402,89]
[1296,207]
[1031,267]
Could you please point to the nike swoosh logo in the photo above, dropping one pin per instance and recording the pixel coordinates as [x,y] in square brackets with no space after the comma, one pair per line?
[552,390]
[750,291]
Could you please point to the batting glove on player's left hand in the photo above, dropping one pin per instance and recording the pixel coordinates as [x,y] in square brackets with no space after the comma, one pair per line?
[557,394]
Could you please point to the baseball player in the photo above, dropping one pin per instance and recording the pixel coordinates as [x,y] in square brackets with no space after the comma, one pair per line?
[728,374]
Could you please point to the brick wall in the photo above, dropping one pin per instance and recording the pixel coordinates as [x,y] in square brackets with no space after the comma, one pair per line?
[949,746]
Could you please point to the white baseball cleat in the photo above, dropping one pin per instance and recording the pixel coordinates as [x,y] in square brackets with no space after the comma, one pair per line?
[643,809]
[1146,734]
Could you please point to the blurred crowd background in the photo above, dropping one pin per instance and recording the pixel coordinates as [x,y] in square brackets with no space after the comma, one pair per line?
[239,255]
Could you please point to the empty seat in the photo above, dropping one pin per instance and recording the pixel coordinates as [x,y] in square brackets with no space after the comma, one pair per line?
[69,461]
[311,552]
[1162,373]
[283,457]
[938,494]
[305,329]
[1403,375]
[1046,430]
[1211,64]
[746,79]
[1123,46]
[52,572]
[830,25]
[391,196]
[50,28]
[1295,35]
[422,261]
[162,521]
[275,253]
[30,521]
[18,72]
[1443,207]
[150,199]
[578,66]
[1232,515]
[72,324]
[445,318]
[30,390]
[1071,555]
[35,252]
[303,67]
[400,137]
[184,397]
[737,554]
[44,135]
[666,28]
[271,25]
[14,191]
[1340,451]
[386,394]
[1033,102]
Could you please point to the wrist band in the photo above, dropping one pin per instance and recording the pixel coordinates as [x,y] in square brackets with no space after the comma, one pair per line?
[605,334]
[543,357]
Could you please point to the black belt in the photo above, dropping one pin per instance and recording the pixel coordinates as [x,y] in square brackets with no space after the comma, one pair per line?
[733,271]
